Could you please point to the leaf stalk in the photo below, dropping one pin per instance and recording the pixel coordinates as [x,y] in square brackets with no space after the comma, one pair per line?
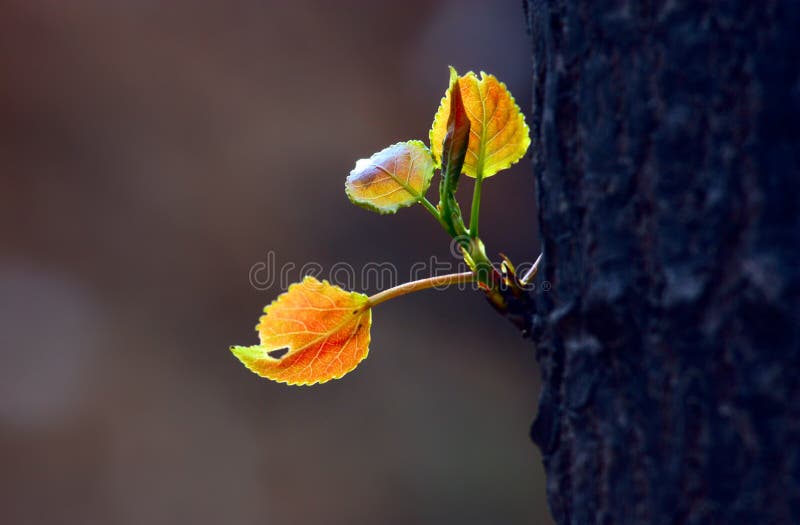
[474,215]
[419,285]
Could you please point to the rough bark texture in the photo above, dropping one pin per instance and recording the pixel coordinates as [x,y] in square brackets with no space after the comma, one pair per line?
[667,158]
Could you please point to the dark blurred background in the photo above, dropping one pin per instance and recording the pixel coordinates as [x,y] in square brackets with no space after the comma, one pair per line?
[150,154]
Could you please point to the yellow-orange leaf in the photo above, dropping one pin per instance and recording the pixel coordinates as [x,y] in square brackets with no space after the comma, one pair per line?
[499,136]
[392,178]
[311,334]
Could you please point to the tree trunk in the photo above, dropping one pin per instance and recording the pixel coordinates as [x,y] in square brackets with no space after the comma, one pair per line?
[666,146]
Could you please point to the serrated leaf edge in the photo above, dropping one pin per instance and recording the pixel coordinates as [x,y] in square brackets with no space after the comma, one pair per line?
[367,313]
[386,211]
[526,143]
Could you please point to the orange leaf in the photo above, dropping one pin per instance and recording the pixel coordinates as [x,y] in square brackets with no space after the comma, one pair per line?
[311,334]
[499,136]
[392,178]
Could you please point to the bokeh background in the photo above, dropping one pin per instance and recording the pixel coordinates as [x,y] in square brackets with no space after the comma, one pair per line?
[150,153]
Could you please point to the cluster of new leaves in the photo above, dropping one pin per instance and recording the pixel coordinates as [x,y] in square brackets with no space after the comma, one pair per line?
[316,331]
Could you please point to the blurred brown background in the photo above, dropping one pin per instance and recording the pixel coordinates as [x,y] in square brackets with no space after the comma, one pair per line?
[150,154]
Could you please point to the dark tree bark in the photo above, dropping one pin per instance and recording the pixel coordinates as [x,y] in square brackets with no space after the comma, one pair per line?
[666,146]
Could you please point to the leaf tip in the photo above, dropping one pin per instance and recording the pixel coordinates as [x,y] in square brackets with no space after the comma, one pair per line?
[453,75]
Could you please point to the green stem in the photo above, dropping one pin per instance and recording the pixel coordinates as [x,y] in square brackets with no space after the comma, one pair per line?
[433,211]
[476,202]
[421,284]
[483,266]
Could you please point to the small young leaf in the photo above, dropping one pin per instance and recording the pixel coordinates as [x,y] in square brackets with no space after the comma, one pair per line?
[499,136]
[456,140]
[454,152]
[312,333]
[395,177]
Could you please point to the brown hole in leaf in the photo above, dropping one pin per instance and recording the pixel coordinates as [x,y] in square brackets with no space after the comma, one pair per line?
[280,352]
